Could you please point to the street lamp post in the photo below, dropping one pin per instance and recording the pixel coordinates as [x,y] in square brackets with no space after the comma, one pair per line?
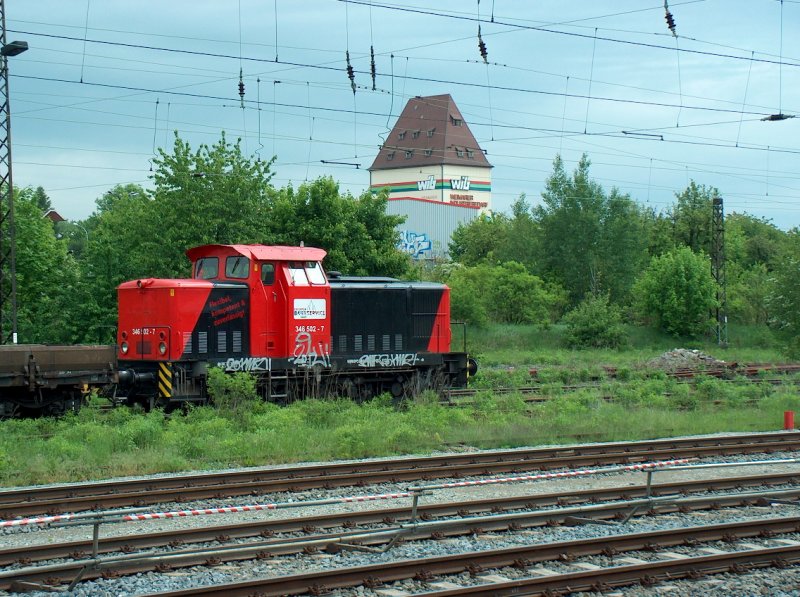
[8,253]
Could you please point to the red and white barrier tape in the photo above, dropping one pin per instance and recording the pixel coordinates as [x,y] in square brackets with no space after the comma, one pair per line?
[39,520]
[579,473]
[349,499]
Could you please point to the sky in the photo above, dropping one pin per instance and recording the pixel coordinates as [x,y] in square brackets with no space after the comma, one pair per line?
[105,83]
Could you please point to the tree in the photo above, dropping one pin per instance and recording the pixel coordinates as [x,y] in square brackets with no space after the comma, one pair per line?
[123,245]
[41,200]
[677,292]
[480,240]
[659,230]
[210,195]
[753,249]
[521,241]
[589,242]
[692,217]
[358,234]
[46,277]
[505,293]
[784,297]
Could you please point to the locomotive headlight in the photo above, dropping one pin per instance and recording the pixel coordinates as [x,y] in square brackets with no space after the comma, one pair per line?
[162,348]
[124,347]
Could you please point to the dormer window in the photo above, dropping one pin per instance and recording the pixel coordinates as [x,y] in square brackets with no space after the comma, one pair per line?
[455,121]
[459,152]
[428,153]
[470,154]
[409,153]
[415,135]
[390,156]
[430,132]
[401,135]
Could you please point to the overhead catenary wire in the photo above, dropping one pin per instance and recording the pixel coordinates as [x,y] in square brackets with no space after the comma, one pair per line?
[564,33]
[680,84]
[155,132]
[740,111]
[413,78]
[85,35]
[591,74]
[744,101]
[275,5]
[516,126]
[258,112]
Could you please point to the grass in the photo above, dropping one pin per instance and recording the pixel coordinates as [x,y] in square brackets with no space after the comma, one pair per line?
[529,346]
[98,444]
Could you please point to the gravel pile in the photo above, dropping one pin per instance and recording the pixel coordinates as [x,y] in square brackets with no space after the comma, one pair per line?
[682,358]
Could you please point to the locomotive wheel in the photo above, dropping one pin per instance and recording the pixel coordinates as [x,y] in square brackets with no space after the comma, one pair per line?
[397,389]
[9,410]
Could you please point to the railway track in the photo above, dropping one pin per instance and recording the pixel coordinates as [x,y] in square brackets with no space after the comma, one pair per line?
[385,516]
[33,501]
[520,570]
[435,521]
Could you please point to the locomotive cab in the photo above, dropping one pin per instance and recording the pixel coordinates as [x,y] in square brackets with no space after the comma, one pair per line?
[244,306]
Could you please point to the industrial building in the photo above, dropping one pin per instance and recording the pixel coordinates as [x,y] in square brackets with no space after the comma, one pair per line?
[435,172]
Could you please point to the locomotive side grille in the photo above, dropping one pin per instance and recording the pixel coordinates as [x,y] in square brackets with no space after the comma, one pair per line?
[358,344]
[387,342]
[187,342]
[422,326]
[398,342]
[237,341]
[202,342]
[222,341]
[343,343]
[371,343]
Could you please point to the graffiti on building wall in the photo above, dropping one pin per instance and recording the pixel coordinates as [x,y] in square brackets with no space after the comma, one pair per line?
[416,244]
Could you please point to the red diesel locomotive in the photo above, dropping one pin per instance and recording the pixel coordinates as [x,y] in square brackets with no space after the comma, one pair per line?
[272,311]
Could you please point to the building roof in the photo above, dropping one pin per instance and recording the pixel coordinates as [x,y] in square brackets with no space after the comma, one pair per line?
[430,131]
[54,216]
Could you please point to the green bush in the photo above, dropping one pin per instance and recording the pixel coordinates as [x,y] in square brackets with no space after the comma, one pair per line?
[677,293]
[594,323]
[505,293]
[231,392]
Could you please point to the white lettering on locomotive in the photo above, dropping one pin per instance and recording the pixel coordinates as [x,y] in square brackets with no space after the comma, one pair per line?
[386,360]
[246,364]
[307,355]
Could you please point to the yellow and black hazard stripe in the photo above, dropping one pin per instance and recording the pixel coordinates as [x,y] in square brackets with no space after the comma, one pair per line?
[165,380]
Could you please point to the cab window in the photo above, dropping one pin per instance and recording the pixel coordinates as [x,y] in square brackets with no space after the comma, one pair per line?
[298,273]
[267,273]
[206,268]
[237,266]
[314,273]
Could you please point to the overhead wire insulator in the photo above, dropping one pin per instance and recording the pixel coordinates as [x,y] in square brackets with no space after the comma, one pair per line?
[482,47]
[351,73]
[669,19]
[372,65]
[241,88]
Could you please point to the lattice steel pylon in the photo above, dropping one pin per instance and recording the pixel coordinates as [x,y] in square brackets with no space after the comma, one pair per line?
[8,259]
[718,269]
